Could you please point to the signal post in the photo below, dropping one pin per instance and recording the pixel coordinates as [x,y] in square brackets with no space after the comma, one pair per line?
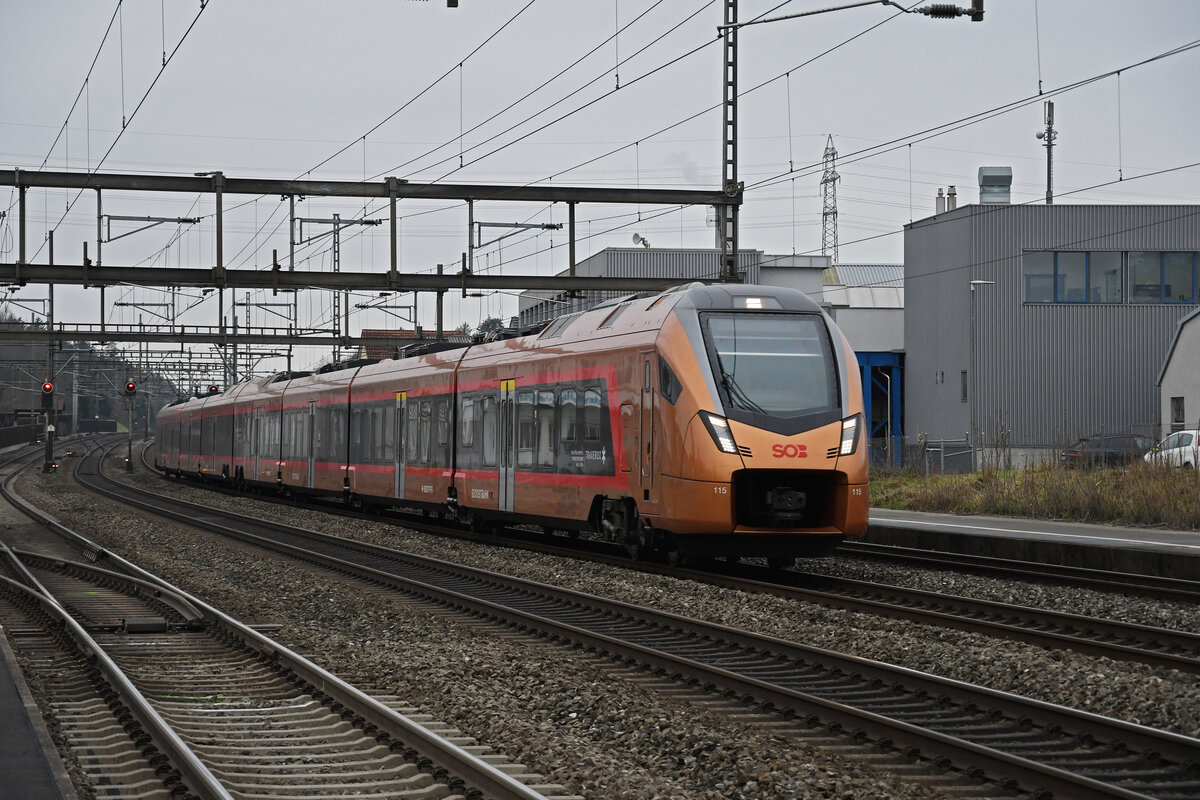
[130,393]
[48,432]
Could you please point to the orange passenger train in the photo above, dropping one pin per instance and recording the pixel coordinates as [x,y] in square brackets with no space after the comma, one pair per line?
[720,420]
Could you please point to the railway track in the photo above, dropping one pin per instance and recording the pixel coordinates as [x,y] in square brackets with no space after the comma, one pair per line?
[1020,743]
[1121,641]
[1103,580]
[161,694]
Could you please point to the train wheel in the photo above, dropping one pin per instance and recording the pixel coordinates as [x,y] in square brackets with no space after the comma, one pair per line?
[675,558]
[634,550]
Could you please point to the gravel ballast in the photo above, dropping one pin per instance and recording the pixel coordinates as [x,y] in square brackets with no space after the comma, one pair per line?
[573,719]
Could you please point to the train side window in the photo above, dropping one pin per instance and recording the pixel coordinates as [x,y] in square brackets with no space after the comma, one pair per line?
[412,434]
[544,417]
[491,430]
[443,422]
[591,415]
[337,433]
[302,434]
[379,432]
[467,437]
[426,432]
[321,426]
[567,410]
[285,450]
[525,429]
[370,443]
[387,438]
[357,452]
[668,385]
[285,444]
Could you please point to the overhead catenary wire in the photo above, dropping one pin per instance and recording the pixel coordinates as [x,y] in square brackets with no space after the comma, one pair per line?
[124,121]
[645,75]
[791,170]
[421,93]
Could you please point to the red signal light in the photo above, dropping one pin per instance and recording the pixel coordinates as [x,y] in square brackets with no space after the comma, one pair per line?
[213,389]
[47,388]
[130,388]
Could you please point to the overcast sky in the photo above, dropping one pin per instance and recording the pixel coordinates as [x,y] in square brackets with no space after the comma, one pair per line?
[519,92]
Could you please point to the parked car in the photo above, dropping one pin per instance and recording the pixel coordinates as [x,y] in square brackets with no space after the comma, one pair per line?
[1108,450]
[1177,450]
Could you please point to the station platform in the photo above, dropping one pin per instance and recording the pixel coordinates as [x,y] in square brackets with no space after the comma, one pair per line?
[1146,551]
[30,768]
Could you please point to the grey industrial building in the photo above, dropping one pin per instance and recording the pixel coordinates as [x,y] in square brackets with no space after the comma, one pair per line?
[1029,326]
[1010,330]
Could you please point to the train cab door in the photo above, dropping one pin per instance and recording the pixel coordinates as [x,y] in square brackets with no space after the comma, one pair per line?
[310,437]
[401,412]
[646,457]
[507,442]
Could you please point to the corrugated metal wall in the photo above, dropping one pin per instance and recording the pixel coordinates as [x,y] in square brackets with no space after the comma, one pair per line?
[1049,373]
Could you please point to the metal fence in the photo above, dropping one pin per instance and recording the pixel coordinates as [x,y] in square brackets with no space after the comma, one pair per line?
[931,456]
[934,456]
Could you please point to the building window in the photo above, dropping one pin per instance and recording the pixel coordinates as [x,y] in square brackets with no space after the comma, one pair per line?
[1179,277]
[1104,277]
[1177,414]
[1110,277]
[1039,277]
[964,386]
[1070,278]
[1145,278]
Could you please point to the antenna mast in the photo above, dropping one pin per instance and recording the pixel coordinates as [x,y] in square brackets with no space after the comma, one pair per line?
[1049,135]
[829,232]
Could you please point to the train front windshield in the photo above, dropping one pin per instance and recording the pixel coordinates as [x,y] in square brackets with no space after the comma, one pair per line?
[776,365]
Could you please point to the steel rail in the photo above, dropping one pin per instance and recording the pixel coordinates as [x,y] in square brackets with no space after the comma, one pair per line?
[539,600]
[1148,585]
[193,774]
[1158,647]
[476,773]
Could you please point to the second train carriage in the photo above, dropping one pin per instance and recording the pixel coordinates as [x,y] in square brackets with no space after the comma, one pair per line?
[708,419]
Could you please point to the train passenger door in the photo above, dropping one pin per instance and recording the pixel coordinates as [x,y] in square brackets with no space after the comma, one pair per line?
[645,460]
[310,429]
[401,412]
[507,444]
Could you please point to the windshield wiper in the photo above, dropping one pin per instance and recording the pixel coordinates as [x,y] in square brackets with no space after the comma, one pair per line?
[739,395]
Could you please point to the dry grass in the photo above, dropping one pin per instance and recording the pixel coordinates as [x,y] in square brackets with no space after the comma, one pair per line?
[1140,495]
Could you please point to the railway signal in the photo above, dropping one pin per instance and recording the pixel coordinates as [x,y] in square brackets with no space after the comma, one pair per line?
[47,395]
[130,388]
[213,388]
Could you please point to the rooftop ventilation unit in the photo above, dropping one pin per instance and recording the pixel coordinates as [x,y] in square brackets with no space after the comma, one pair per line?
[995,185]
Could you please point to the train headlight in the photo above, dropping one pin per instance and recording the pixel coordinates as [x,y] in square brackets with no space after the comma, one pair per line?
[718,429]
[850,435]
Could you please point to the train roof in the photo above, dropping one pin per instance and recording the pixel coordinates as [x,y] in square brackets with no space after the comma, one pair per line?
[622,316]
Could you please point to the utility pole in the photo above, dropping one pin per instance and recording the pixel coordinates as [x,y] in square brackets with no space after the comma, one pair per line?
[341,319]
[1049,135]
[727,213]
[49,432]
[829,230]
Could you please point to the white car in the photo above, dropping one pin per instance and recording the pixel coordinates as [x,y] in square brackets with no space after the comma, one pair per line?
[1180,449]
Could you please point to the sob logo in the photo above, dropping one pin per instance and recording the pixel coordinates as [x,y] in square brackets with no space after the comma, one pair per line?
[789,451]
